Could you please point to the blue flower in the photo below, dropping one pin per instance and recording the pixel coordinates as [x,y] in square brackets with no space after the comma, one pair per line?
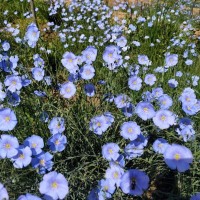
[133,150]
[122,100]
[8,146]
[164,119]
[144,60]
[8,119]
[37,73]
[98,124]
[13,83]
[89,54]
[145,110]
[114,174]
[130,130]
[6,46]
[32,35]
[157,92]
[28,197]
[107,187]
[57,125]
[165,101]
[150,79]
[43,162]
[119,162]
[171,60]
[54,185]
[67,90]
[135,83]
[187,133]
[69,61]
[134,182]
[57,142]
[40,93]
[195,196]
[160,145]
[87,72]
[128,110]
[89,89]
[3,193]
[13,98]
[173,83]
[177,156]
[110,151]
[111,54]
[121,42]
[23,157]
[35,143]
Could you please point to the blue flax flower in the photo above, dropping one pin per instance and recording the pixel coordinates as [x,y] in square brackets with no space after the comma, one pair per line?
[54,185]
[160,145]
[177,156]
[57,125]
[195,196]
[43,162]
[57,142]
[164,119]
[28,197]
[35,143]
[130,130]
[114,174]
[8,146]
[32,35]
[67,90]
[134,182]
[3,192]
[107,187]
[110,151]
[23,157]
[145,110]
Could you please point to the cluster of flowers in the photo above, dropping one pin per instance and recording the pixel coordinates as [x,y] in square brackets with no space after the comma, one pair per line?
[54,185]
[86,72]
[99,124]
[131,181]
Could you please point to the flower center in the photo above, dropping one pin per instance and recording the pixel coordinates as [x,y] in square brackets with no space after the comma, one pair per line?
[110,55]
[105,188]
[163,118]
[57,142]
[42,162]
[34,145]
[98,124]
[68,90]
[87,72]
[21,156]
[14,83]
[7,146]
[134,82]
[187,99]
[116,175]
[7,119]
[160,145]
[54,185]
[177,156]
[70,60]
[130,130]
[110,151]
[145,110]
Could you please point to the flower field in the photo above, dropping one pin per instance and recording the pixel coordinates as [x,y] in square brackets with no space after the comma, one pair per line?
[99,100]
